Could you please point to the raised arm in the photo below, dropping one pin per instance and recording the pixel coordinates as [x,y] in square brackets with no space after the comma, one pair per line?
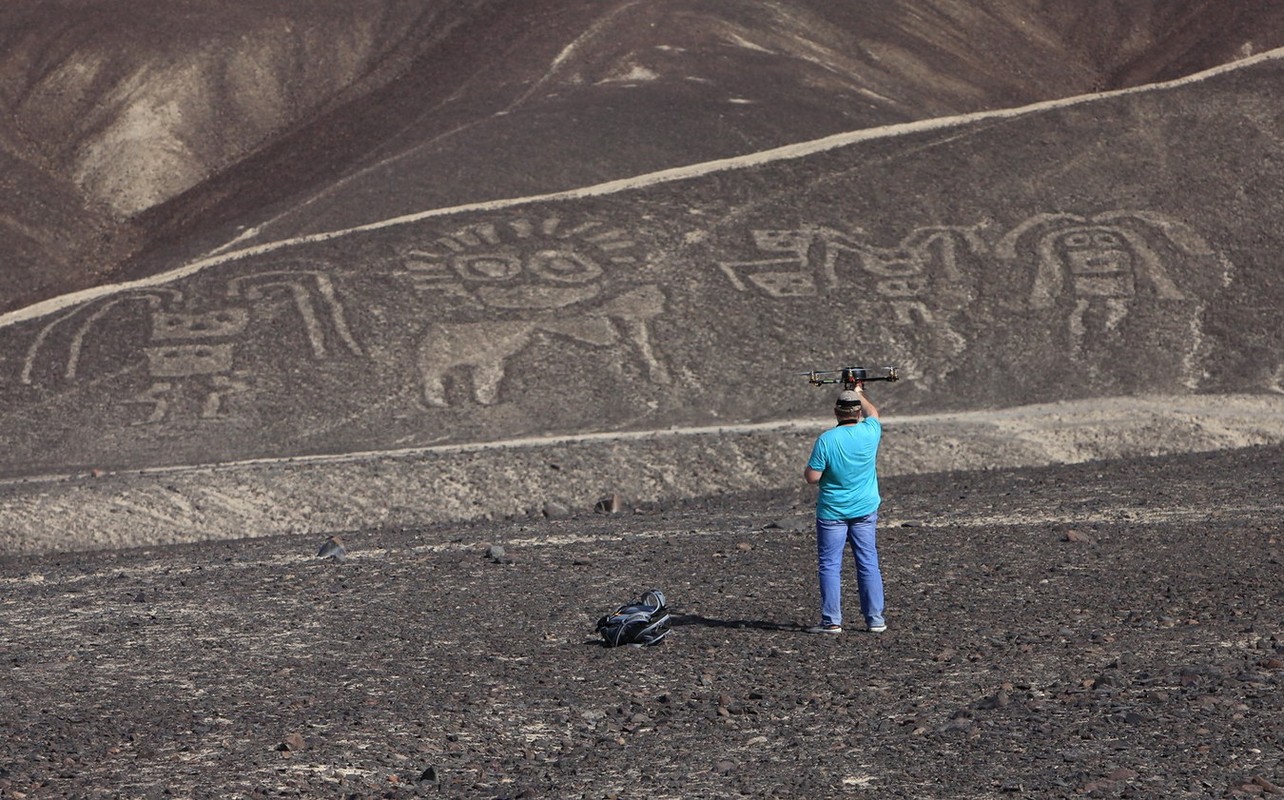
[867,406]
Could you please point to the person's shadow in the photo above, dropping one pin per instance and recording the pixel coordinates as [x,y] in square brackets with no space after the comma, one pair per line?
[678,620]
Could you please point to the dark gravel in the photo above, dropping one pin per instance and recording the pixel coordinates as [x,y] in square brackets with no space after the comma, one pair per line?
[1110,629]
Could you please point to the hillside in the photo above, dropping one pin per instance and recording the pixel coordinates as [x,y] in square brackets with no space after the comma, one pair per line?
[367,238]
[150,131]
[1109,246]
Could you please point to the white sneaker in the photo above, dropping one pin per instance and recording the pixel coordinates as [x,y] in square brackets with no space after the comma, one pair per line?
[877,628]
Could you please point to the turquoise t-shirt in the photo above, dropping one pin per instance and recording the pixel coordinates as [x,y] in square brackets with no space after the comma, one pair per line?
[849,483]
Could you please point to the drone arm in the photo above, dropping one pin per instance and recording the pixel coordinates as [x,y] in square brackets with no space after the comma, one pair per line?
[850,377]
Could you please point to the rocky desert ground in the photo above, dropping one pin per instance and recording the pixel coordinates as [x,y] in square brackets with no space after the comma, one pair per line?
[1105,629]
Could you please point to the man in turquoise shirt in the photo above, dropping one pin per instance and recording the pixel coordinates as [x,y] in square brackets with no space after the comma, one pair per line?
[842,466]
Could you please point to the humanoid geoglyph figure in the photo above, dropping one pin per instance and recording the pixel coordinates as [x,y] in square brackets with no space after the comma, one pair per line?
[916,283]
[1111,275]
[192,338]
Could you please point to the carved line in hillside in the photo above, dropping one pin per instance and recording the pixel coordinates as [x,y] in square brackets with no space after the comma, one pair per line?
[1106,265]
[821,259]
[533,277]
[192,351]
[919,278]
[1102,266]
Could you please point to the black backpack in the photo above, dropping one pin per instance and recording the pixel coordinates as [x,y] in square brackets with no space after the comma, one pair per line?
[641,623]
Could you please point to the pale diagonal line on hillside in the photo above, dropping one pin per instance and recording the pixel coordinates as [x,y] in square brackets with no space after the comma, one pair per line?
[794,151]
[1260,415]
[512,106]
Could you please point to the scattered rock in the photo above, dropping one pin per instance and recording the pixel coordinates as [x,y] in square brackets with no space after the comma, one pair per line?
[333,549]
[1109,680]
[555,510]
[1077,537]
[293,742]
[509,694]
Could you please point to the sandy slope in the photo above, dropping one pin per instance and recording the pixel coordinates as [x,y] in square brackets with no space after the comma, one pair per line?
[531,476]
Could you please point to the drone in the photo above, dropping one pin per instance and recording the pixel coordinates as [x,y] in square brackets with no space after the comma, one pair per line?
[851,377]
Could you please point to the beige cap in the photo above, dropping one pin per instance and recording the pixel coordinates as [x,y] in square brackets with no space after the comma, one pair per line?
[847,399]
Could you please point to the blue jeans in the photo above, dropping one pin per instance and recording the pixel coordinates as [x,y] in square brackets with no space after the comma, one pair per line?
[832,535]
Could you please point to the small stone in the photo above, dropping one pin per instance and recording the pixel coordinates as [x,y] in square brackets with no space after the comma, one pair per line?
[1077,537]
[293,742]
[332,548]
[555,510]
[1266,785]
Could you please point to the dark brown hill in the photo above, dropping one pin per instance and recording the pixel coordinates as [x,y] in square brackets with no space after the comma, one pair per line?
[309,285]
[176,124]
[1114,246]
